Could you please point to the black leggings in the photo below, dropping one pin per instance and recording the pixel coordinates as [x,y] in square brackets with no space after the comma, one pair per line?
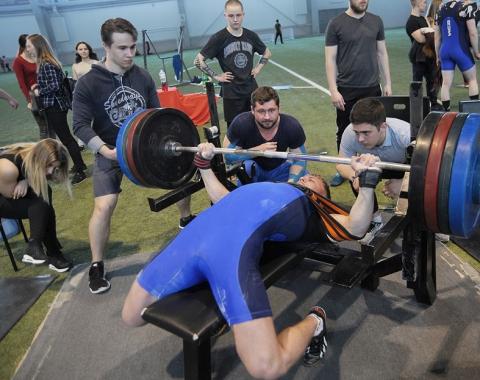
[40,214]
[426,70]
[57,120]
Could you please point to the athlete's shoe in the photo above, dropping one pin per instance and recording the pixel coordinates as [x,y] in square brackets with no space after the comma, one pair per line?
[34,253]
[184,221]
[59,263]
[98,283]
[317,348]
[337,180]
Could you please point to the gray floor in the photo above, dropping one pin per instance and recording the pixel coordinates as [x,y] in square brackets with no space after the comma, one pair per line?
[384,334]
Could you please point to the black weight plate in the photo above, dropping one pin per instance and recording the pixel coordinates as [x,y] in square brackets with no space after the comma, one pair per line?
[155,166]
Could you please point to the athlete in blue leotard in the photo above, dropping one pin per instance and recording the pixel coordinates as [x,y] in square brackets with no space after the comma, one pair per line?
[223,246]
[455,34]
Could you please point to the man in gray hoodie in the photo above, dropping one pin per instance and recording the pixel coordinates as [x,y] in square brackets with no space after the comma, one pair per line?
[103,98]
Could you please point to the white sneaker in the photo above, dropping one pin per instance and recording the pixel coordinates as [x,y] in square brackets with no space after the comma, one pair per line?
[442,237]
[375,226]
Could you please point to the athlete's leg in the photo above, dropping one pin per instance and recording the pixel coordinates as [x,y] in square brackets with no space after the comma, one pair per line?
[471,77]
[137,300]
[447,80]
[266,354]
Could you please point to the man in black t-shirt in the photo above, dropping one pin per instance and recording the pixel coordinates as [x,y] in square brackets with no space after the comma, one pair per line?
[423,65]
[265,128]
[234,48]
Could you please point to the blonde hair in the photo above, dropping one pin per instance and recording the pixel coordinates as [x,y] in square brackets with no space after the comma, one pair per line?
[43,50]
[37,157]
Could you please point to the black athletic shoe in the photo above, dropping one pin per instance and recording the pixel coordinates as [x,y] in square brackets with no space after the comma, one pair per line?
[78,177]
[97,283]
[34,253]
[184,221]
[59,263]
[318,345]
[74,169]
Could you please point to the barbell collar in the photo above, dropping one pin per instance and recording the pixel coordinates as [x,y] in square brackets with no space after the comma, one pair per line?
[174,148]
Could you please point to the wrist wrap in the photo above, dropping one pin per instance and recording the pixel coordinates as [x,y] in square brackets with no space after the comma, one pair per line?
[370,178]
[201,162]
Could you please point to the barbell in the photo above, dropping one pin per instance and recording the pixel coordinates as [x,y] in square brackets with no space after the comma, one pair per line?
[156,147]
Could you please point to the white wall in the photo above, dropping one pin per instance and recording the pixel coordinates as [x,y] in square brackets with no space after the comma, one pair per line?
[259,15]
[11,28]
[394,13]
[77,20]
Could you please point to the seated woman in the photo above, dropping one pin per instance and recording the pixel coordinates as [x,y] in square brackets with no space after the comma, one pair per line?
[25,169]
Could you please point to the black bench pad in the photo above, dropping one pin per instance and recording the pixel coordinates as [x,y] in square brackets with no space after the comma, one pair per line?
[193,314]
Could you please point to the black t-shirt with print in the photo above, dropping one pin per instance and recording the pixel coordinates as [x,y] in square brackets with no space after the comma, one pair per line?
[235,55]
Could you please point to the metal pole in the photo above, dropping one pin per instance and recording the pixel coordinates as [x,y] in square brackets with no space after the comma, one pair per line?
[175,147]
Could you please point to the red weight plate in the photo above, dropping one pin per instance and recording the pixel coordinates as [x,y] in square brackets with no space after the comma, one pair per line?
[129,142]
[443,193]
[432,171]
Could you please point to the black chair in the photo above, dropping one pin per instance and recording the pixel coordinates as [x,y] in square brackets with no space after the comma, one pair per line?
[399,106]
[8,230]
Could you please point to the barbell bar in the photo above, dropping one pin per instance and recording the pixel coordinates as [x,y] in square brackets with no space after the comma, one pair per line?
[175,148]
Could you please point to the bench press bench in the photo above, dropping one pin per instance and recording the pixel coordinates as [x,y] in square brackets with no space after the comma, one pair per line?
[193,314]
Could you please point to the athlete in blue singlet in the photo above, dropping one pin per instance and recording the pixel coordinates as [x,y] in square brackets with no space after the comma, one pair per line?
[223,246]
[455,34]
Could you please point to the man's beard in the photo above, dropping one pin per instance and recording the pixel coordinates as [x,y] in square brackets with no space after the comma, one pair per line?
[272,124]
[358,10]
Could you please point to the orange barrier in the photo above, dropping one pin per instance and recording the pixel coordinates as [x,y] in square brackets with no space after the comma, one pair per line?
[194,105]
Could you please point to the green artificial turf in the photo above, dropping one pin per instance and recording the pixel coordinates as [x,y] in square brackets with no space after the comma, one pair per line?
[134,227]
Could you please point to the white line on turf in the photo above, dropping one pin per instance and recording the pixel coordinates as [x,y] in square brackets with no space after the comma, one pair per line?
[310,82]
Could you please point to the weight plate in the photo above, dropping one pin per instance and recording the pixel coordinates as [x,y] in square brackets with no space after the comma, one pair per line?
[464,182]
[419,164]
[121,152]
[432,171]
[128,143]
[446,172]
[155,165]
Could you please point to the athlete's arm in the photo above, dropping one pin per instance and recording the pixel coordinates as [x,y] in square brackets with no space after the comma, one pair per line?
[214,187]
[438,39]
[382,56]
[298,167]
[473,35]
[358,221]
[331,71]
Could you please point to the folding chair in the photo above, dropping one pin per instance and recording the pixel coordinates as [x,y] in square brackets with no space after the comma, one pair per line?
[9,228]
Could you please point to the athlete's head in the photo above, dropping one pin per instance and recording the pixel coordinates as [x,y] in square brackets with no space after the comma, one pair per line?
[368,120]
[316,183]
[359,6]
[119,38]
[265,106]
[234,14]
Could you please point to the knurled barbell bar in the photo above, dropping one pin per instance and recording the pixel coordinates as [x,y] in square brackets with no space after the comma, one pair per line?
[156,149]
[175,149]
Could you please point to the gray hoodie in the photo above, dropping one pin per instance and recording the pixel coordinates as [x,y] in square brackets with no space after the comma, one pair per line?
[102,100]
